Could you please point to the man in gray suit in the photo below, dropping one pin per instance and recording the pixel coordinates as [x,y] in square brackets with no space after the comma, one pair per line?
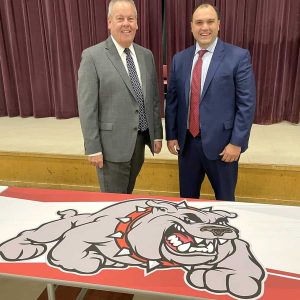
[118,102]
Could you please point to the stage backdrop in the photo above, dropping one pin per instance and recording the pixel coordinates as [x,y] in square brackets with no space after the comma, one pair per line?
[41,43]
[40,51]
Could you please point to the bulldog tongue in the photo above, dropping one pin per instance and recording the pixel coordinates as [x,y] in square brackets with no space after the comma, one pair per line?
[184,238]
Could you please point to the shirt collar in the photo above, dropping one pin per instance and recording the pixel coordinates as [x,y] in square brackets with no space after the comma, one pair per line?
[121,49]
[210,48]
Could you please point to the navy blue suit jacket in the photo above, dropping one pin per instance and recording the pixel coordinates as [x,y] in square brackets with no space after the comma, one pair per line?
[227,101]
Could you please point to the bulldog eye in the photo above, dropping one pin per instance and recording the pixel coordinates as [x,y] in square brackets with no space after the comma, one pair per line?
[162,209]
[191,218]
[188,220]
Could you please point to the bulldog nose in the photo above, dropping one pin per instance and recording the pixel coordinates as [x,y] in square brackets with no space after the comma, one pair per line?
[216,231]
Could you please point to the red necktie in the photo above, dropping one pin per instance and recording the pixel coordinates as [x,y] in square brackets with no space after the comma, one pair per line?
[194,120]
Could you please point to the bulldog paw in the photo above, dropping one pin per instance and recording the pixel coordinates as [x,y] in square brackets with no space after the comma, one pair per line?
[238,285]
[196,278]
[21,249]
[243,286]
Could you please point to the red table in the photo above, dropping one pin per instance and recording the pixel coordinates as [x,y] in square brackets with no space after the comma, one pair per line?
[272,232]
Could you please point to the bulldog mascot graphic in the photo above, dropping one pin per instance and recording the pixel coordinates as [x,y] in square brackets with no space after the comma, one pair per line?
[151,234]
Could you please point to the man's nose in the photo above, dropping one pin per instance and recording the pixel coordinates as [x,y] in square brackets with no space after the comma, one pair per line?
[125,22]
[204,26]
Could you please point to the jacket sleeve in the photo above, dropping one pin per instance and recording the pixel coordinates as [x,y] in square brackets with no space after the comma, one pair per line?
[158,132]
[171,106]
[88,104]
[245,95]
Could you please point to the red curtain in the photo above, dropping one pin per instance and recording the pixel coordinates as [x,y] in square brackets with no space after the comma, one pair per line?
[41,43]
[270,29]
[40,47]
[149,35]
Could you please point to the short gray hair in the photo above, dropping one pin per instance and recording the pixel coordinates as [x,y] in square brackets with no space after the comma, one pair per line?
[113,2]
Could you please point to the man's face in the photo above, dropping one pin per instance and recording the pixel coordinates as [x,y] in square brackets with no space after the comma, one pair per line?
[123,23]
[205,26]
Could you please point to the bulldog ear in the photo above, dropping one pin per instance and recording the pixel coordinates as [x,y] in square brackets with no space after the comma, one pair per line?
[181,204]
[232,215]
[158,204]
[226,214]
[208,209]
[152,203]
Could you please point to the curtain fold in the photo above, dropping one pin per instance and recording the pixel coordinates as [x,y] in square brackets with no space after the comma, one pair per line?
[276,61]
[41,42]
[270,29]
[149,35]
[40,50]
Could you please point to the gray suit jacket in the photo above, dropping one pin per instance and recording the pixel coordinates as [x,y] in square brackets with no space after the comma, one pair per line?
[108,109]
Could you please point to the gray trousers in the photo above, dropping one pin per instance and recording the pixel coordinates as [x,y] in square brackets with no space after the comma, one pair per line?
[120,177]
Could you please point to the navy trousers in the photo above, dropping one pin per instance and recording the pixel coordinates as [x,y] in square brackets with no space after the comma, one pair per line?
[193,166]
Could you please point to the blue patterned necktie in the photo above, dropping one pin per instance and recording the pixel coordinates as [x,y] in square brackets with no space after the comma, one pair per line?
[143,124]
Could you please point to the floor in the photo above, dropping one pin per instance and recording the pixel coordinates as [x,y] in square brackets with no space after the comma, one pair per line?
[273,144]
[13,289]
[269,144]
[17,289]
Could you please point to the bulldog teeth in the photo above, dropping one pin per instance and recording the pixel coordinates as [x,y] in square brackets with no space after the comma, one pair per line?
[177,243]
[179,228]
[210,248]
[222,241]
[198,249]
[173,239]
[184,247]
[198,240]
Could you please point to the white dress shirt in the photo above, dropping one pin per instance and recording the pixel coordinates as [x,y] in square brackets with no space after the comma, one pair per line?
[206,58]
[123,55]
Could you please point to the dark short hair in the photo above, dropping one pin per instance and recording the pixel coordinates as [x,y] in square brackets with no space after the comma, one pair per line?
[206,5]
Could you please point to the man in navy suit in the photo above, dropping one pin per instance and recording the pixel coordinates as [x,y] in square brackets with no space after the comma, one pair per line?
[226,107]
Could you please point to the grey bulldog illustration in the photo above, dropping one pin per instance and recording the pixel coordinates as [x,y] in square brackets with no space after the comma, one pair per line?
[151,234]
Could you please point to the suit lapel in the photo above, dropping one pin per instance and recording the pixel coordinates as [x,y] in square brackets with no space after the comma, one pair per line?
[187,72]
[115,59]
[213,66]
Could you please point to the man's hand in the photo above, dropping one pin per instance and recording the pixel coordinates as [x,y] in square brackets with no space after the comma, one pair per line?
[173,146]
[157,146]
[96,160]
[231,153]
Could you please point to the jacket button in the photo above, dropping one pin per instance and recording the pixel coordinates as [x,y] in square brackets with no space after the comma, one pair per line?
[135,128]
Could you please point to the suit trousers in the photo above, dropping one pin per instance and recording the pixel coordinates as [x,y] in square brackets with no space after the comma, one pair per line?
[120,177]
[193,165]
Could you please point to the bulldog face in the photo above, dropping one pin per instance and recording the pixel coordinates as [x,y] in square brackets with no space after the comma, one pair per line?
[181,234]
